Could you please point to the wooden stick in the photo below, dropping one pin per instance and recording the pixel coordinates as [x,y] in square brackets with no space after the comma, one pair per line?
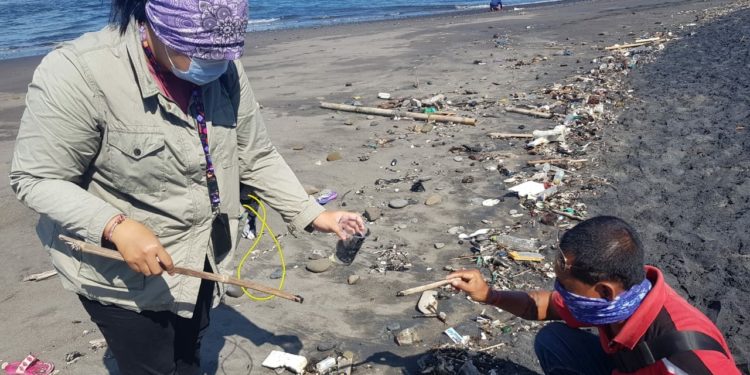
[40,276]
[393,113]
[647,40]
[568,215]
[509,135]
[529,112]
[491,347]
[632,45]
[555,161]
[423,288]
[112,254]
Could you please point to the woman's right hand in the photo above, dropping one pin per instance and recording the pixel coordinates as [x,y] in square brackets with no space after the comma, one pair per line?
[141,249]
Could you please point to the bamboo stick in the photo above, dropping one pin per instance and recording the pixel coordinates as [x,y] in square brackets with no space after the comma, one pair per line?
[529,112]
[392,113]
[224,279]
[555,161]
[423,288]
[509,135]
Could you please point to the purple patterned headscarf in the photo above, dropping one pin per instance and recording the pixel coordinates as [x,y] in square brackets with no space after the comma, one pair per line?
[206,29]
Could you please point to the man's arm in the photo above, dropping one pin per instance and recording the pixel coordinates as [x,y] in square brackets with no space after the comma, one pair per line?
[531,305]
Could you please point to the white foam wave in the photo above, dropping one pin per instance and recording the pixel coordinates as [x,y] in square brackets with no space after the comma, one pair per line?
[263,21]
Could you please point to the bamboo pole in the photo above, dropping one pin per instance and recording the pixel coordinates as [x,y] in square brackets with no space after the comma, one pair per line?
[224,279]
[392,113]
[528,112]
[509,135]
[423,288]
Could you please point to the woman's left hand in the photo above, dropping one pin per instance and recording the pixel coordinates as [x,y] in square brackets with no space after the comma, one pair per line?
[343,223]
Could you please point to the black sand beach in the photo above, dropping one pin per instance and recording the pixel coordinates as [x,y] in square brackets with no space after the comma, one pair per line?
[670,156]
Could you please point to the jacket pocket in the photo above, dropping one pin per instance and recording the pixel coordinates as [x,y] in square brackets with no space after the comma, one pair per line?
[111,273]
[224,137]
[137,160]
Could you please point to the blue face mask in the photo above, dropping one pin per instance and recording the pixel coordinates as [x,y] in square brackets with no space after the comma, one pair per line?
[600,311]
[201,71]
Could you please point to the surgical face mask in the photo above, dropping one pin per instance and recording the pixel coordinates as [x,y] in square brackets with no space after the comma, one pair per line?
[600,311]
[200,71]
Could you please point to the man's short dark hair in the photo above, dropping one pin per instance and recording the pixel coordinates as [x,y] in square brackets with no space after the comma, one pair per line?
[124,10]
[604,248]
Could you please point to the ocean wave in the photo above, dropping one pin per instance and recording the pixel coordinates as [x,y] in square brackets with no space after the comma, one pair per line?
[263,21]
[469,7]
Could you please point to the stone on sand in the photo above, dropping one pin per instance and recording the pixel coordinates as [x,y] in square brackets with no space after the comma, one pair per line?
[319,265]
[398,203]
[352,279]
[334,156]
[433,200]
[372,213]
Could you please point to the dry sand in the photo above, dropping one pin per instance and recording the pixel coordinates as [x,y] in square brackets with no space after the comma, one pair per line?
[702,251]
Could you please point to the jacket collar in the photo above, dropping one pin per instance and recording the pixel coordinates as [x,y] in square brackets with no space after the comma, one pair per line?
[637,325]
[138,60]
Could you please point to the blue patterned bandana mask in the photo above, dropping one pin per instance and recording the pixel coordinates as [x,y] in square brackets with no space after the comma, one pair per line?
[600,311]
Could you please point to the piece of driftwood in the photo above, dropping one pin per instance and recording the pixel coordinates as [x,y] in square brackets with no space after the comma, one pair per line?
[40,276]
[638,43]
[224,279]
[393,113]
[423,288]
[568,215]
[509,135]
[528,112]
[556,161]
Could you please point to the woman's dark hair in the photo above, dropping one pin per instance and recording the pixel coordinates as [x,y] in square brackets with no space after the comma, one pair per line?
[124,10]
[605,248]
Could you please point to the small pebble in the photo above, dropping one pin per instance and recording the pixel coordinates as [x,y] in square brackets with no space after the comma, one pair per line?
[439,245]
[318,265]
[334,156]
[276,274]
[352,279]
[398,203]
[433,200]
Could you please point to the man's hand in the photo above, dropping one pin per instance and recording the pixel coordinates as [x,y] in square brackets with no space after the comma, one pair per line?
[141,249]
[343,223]
[472,282]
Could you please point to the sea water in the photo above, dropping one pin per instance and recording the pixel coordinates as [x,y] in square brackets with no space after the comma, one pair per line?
[33,27]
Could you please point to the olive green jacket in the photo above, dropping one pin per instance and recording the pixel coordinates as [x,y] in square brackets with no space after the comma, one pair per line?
[98,138]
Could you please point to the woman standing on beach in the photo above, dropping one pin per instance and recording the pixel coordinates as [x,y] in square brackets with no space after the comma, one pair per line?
[138,137]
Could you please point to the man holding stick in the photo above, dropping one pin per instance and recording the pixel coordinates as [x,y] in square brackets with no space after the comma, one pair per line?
[644,326]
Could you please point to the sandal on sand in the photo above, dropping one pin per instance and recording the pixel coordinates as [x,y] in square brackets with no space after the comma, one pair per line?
[31,365]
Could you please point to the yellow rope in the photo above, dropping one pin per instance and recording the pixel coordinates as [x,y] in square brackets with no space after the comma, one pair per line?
[263,228]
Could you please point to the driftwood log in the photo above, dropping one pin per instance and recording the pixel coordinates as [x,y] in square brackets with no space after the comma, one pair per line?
[509,135]
[528,112]
[393,113]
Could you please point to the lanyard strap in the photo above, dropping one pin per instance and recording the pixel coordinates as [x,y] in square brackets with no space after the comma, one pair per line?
[200,118]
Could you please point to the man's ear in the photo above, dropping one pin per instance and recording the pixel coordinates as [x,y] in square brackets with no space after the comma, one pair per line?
[607,290]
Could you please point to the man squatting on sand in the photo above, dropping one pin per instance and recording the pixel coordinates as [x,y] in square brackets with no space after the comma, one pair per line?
[644,326]
[137,137]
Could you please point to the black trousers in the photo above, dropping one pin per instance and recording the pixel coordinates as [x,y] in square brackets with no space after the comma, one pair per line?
[151,342]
